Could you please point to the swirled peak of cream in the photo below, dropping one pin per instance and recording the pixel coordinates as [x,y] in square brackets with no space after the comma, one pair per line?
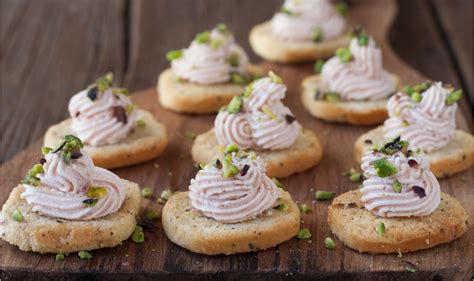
[412,190]
[106,118]
[211,58]
[429,124]
[262,123]
[298,20]
[62,191]
[239,198]
[361,78]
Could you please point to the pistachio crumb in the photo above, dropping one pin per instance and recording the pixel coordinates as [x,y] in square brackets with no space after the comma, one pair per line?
[17,216]
[318,66]
[283,207]
[141,123]
[329,243]
[277,182]
[60,257]
[323,195]
[380,229]
[304,233]
[146,192]
[174,54]
[166,194]
[305,208]
[152,215]
[138,236]
[84,255]
[344,54]
[275,78]
[190,135]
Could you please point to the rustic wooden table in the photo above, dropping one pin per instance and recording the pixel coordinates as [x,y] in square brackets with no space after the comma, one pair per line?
[51,49]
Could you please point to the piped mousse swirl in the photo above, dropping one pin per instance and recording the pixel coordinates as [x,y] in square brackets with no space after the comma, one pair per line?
[234,188]
[258,119]
[398,182]
[102,115]
[212,58]
[357,73]
[308,20]
[67,185]
[424,115]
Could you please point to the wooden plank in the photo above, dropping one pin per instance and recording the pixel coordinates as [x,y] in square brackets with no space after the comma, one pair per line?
[296,259]
[49,51]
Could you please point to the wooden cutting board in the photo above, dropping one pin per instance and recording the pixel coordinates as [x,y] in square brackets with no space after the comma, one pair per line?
[299,259]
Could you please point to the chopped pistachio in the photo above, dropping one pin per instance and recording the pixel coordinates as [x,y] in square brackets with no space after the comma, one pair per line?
[130,107]
[104,82]
[31,178]
[248,90]
[384,168]
[234,105]
[363,39]
[231,148]
[416,97]
[353,175]
[305,208]
[344,54]
[341,8]
[166,194]
[141,123]
[329,243]
[190,135]
[96,192]
[17,216]
[318,66]
[331,97]
[215,44]
[268,112]
[380,229]
[323,195]
[283,207]
[120,91]
[174,54]
[152,215]
[275,78]
[317,35]
[405,123]
[222,27]
[420,88]
[234,60]
[453,97]
[228,169]
[409,90]
[138,236]
[203,37]
[45,150]
[277,182]
[60,257]
[286,11]
[146,192]
[238,79]
[397,186]
[83,255]
[304,233]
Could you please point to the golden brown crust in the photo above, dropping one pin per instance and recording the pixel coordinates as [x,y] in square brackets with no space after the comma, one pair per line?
[352,112]
[186,97]
[305,153]
[265,44]
[456,157]
[141,145]
[355,226]
[190,229]
[49,235]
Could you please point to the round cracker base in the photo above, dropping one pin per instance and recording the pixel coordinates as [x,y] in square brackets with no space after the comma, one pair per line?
[190,229]
[51,235]
[143,144]
[305,153]
[355,226]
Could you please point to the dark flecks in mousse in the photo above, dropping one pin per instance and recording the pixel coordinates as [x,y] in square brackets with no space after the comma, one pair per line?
[367,141]
[420,191]
[92,94]
[76,154]
[120,113]
[42,161]
[245,169]
[412,163]
[289,118]
[317,95]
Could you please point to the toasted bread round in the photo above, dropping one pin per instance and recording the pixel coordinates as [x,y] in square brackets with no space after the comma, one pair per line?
[355,226]
[143,144]
[272,48]
[352,112]
[305,153]
[50,235]
[456,157]
[182,96]
[190,229]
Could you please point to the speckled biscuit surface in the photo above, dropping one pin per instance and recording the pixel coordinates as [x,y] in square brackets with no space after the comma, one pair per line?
[456,157]
[143,144]
[265,44]
[352,112]
[355,226]
[305,153]
[190,229]
[50,235]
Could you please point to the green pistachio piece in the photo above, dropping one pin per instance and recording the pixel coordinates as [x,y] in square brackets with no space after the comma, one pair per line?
[228,169]
[420,88]
[231,148]
[318,66]
[416,97]
[409,90]
[344,54]
[45,150]
[146,192]
[331,97]
[138,236]
[248,90]
[166,194]
[234,60]
[380,229]
[275,78]
[453,97]
[60,257]
[174,54]
[304,233]
[323,195]
[329,243]
[317,35]
[277,183]
[203,37]
[222,28]
[120,91]
[215,44]
[283,207]
[341,8]
[268,112]
[384,168]
[152,215]
[190,135]
[305,208]
[141,123]
[17,216]
[286,11]
[363,39]
[235,105]
[104,82]
[397,186]
[96,192]
[83,255]
[238,79]
[129,108]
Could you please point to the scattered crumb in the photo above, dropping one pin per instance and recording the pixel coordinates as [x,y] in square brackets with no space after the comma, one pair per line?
[156,165]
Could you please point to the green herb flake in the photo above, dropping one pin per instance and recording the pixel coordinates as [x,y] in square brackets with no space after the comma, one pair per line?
[341,8]
[317,35]
[329,243]
[380,229]
[190,135]
[275,78]
[305,208]
[174,54]
[60,257]
[234,60]
[152,215]
[234,105]
[45,150]
[141,123]
[304,233]
[323,195]
[453,97]
[277,183]
[83,255]
[238,79]
[203,37]
[17,216]
[96,192]
[397,186]
[318,66]
[384,168]
[344,54]
[146,192]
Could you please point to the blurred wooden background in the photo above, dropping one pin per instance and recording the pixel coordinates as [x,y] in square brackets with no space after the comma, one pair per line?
[51,49]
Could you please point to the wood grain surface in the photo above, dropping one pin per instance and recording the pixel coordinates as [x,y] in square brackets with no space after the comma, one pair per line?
[157,257]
